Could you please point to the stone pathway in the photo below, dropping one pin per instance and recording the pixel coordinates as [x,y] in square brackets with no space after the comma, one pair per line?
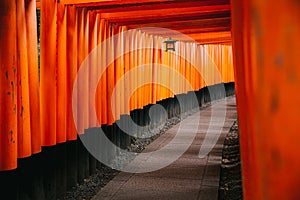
[189,177]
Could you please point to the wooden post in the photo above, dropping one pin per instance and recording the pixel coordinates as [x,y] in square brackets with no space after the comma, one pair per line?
[8,85]
[48,72]
[266,56]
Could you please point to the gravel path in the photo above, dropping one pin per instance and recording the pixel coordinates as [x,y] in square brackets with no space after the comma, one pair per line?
[230,177]
[91,185]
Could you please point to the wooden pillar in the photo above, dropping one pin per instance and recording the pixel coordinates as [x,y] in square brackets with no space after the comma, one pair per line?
[61,65]
[71,69]
[8,85]
[48,72]
[266,56]
[33,75]
[246,141]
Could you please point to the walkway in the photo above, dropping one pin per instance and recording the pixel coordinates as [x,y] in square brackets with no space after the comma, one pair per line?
[187,178]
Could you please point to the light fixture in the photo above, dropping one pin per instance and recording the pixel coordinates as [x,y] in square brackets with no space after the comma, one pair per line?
[170,44]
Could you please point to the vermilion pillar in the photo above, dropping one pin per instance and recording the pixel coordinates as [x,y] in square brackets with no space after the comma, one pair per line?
[61,65]
[266,51]
[71,68]
[8,82]
[33,75]
[48,71]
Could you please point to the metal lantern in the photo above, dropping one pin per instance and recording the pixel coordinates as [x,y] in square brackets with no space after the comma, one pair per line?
[170,44]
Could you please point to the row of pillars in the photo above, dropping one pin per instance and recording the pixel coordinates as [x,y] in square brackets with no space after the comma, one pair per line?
[49,174]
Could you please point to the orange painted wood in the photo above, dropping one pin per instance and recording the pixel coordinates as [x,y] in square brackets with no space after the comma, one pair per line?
[33,75]
[126,70]
[160,60]
[182,66]
[200,67]
[23,110]
[148,56]
[187,66]
[86,82]
[121,94]
[268,51]
[92,44]
[8,85]
[48,72]
[103,82]
[21,78]
[82,1]
[61,92]
[223,63]
[121,6]
[139,75]
[83,85]
[71,69]
[142,14]
[69,34]
[98,99]
[132,66]
[119,71]
[179,25]
[165,20]
[248,155]
[81,80]
[176,63]
[163,75]
[38,4]
[189,31]
[156,60]
[108,2]
[110,72]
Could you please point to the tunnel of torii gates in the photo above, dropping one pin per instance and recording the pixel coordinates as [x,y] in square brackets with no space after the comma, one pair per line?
[254,43]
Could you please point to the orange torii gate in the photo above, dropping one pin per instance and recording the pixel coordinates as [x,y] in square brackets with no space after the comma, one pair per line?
[38,111]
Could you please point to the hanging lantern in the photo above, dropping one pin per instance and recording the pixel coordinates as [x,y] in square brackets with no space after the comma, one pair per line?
[170,44]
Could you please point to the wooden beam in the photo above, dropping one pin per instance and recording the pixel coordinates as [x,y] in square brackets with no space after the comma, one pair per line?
[163,33]
[151,14]
[120,3]
[84,1]
[170,18]
[88,3]
[226,35]
[224,41]
[200,38]
[185,25]
[150,5]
